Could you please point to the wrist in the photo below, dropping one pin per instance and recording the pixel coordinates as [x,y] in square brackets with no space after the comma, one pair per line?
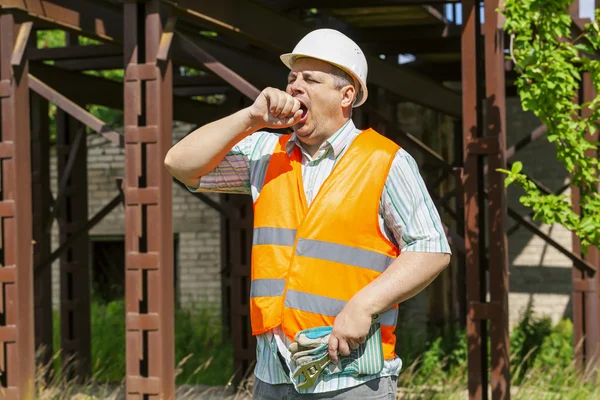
[253,122]
[362,305]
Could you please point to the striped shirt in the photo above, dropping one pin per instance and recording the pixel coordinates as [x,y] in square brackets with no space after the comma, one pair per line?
[407,217]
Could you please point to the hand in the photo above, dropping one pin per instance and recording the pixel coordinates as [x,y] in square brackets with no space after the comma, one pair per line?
[350,329]
[274,108]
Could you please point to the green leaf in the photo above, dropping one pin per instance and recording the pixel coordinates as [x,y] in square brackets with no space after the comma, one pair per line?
[517,167]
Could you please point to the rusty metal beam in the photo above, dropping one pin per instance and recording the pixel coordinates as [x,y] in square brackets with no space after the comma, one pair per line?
[149,296]
[97,19]
[219,69]
[477,334]
[110,94]
[74,52]
[526,221]
[255,23]
[74,110]
[495,116]
[75,290]
[235,258]
[16,286]
[585,283]
[21,43]
[415,46]
[40,193]
[287,4]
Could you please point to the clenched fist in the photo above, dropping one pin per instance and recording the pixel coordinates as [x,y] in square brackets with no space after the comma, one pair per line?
[274,108]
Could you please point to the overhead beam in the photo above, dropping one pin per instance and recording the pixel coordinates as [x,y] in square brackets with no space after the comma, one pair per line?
[109,93]
[287,4]
[259,72]
[73,109]
[91,64]
[256,23]
[73,52]
[218,68]
[414,46]
[97,19]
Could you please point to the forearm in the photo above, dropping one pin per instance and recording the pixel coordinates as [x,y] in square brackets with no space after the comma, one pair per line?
[409,274]
[201,151]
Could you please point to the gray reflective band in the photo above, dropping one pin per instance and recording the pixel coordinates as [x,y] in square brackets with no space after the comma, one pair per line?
[343,254]
[267,287]
[389,318]
[313,303]
[277,236]
[327,306]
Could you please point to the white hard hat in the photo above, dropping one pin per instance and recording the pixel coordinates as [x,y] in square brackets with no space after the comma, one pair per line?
[335,48]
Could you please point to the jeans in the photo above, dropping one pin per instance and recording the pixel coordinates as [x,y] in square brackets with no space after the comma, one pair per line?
[377,389]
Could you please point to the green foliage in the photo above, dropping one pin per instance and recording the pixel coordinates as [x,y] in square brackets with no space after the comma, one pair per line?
[551,63]
[201,354]
[526,341]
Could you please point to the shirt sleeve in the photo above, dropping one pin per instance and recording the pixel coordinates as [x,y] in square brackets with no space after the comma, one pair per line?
[408,210]
[232,175]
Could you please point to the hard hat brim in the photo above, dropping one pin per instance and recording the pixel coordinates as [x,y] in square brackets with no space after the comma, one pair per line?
[289,58]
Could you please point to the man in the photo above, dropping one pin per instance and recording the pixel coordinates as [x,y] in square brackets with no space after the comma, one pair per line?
[344,227]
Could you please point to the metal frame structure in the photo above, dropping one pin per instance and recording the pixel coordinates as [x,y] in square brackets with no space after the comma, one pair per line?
[151,40]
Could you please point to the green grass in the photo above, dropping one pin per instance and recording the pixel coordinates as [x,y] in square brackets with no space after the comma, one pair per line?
[201,355]
[434,368]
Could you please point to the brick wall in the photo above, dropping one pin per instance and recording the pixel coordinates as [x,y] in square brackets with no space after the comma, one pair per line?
[196,225]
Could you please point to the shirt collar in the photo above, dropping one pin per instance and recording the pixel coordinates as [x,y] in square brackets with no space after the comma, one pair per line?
[337,142]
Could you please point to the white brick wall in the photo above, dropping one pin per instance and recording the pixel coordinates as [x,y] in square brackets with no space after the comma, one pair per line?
[197,225]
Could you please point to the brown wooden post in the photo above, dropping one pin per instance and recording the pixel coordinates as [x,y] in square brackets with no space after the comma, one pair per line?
[483,79]
[585,283]
[42,201]
[473,202]
[17,364]
[497,308]
[72,206]
[237,243]
[75,319]
[149,287]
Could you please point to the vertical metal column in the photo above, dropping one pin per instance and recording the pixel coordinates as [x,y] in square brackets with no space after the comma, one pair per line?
[149,288]
[473,200]
[483,70]
[17,364]
[236,248]
[42,201]
[75,319]
[495,147]
[585,284]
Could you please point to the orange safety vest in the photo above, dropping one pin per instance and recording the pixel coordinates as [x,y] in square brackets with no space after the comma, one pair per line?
[308,261]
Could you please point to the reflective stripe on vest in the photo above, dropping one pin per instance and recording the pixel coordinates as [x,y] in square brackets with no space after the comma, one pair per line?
[267,287]
[327,306]
[343,254]
[275,236]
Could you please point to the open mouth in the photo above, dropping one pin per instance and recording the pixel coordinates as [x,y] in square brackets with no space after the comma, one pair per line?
[304,109]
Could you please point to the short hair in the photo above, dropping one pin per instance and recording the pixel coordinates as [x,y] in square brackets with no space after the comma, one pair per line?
[341,78]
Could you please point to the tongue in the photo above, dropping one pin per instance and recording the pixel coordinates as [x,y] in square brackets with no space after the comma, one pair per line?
[304,112]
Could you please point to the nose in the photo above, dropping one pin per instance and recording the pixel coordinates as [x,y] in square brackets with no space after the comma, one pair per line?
[296,87]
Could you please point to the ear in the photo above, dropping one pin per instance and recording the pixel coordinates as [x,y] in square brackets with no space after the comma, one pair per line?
[348,95]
